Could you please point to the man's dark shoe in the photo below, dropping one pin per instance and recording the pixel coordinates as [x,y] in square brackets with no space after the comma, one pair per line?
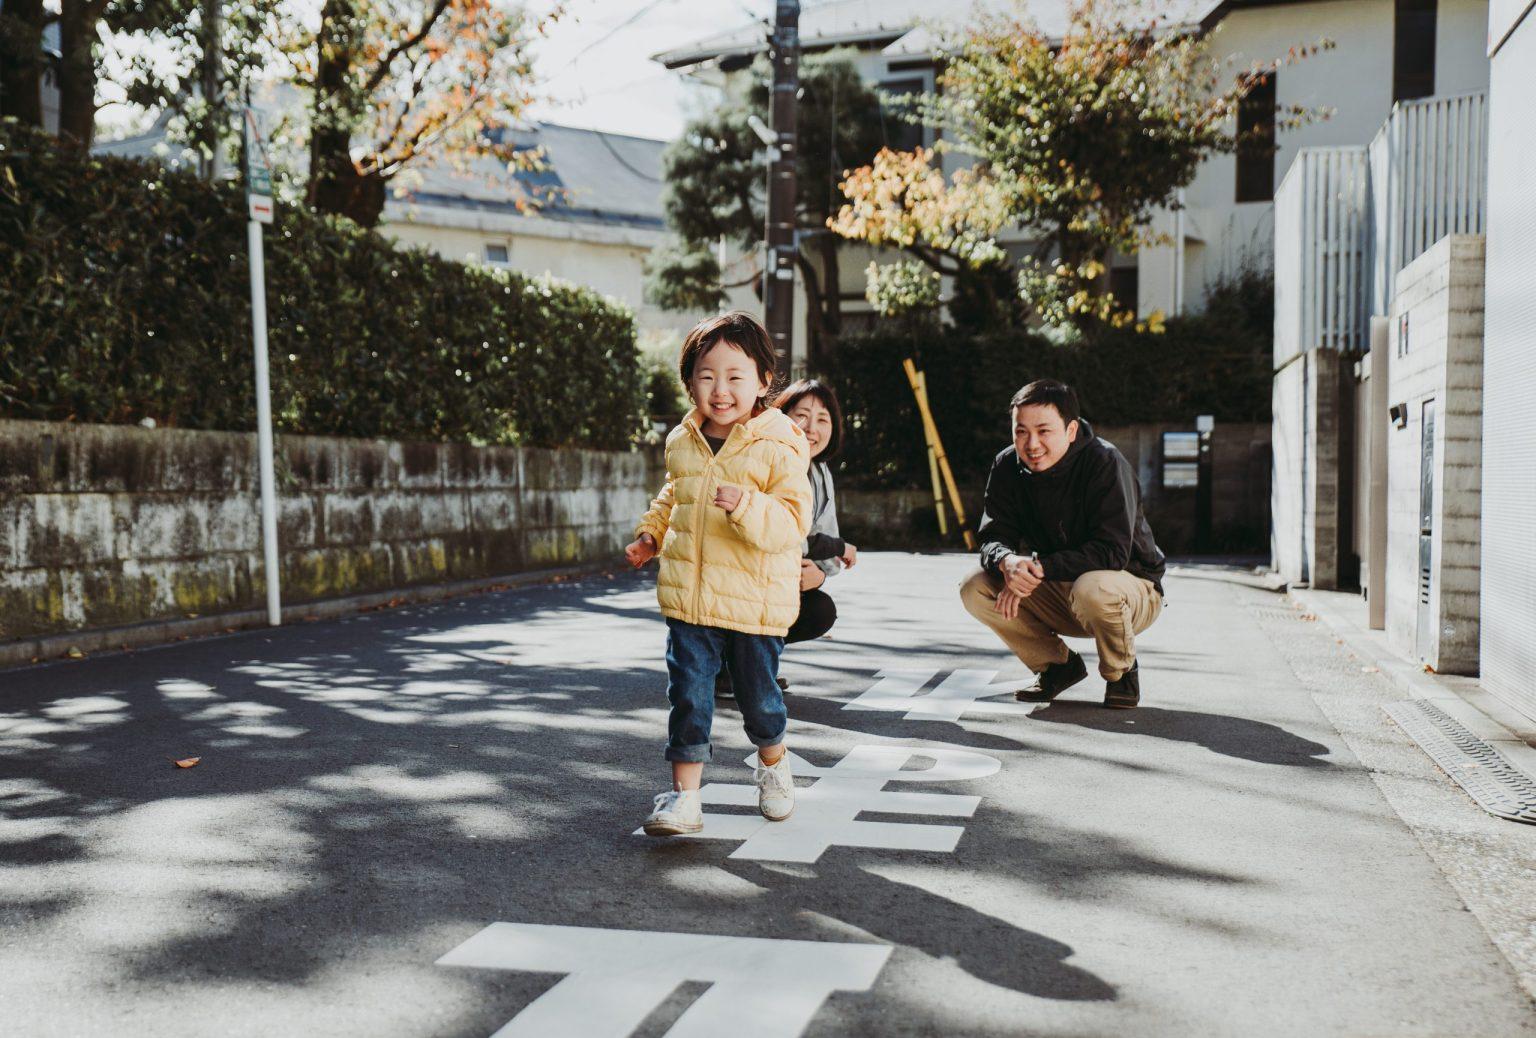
[1054,680]
[1126,692]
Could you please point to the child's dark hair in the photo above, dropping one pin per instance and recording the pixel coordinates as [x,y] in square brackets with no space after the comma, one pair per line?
[1048,391]
[741,330]
[798,391]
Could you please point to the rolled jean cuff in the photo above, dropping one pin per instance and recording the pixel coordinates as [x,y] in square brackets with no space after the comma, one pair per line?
[699,753]
[769,742]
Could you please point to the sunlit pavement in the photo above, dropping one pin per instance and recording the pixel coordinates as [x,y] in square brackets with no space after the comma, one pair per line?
[421,822]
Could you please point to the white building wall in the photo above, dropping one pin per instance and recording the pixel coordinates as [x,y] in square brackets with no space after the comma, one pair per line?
[1440,359]
[1508,649]
[609,260]
[1354,80]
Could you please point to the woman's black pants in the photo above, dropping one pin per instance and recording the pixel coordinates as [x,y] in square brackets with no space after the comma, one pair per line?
[817,615]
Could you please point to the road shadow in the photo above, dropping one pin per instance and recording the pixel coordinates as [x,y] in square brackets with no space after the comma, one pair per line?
[1239,737]
[988,948]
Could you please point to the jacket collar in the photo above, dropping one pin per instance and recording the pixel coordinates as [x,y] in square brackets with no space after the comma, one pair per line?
[770,424]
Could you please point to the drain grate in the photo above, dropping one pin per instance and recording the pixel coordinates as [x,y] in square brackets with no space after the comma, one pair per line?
[1498,787]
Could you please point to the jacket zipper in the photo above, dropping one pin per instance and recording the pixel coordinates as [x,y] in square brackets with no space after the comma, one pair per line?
[704,499]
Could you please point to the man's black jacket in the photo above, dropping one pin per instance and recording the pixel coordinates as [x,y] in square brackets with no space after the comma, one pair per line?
[1081,514]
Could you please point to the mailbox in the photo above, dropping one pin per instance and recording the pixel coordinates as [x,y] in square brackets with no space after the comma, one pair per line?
[1181,459]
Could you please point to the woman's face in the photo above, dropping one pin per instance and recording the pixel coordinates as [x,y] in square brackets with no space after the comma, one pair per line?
[812,416]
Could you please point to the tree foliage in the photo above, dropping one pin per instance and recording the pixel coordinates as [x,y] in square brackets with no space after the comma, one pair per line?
[1075,142]
[127,297]
[716,172]
[393,82]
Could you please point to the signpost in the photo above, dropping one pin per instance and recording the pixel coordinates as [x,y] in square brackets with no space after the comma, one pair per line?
[258,202]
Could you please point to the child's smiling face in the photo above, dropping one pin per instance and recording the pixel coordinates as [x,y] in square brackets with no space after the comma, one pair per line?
[726,385]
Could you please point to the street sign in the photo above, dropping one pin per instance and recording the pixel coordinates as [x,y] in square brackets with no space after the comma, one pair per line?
[258,202]
[258,170]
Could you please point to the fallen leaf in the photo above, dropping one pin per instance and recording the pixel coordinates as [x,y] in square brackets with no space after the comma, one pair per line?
[1309,617]
[188,762]
[75,654]
[1370,670]
[191,616]
[1428,669]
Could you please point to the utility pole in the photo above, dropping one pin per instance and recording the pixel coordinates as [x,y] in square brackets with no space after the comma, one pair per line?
[779,265]
[213,94]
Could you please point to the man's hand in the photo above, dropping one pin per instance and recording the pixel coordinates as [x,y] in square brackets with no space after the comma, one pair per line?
[641,550]
[811,576]
[727,497]
[1022,575]
[1008,603]
[850,555]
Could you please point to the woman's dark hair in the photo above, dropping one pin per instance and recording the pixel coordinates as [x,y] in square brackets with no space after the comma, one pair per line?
[739,329]
[797,391]
[1048,391]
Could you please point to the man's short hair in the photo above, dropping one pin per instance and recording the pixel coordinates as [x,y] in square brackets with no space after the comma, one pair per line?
[1048,391]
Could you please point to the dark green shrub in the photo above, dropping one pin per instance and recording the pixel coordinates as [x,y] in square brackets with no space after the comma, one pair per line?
[1217,362]
[124,295]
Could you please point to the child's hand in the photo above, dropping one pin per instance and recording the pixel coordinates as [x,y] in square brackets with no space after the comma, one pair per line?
[728,497]
[850,555]
[641,550]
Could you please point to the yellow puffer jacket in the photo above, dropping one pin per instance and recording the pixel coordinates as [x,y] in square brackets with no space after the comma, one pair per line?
[739,571]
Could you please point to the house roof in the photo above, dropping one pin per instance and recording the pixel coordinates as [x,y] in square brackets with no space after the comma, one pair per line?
[902,27]
[587,176]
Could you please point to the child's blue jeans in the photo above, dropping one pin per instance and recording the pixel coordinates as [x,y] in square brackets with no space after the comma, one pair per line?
[694,654]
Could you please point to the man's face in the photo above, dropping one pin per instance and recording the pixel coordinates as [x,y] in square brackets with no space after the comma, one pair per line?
[1040,436]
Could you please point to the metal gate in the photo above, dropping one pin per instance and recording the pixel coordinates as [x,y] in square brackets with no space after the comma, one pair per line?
[1424,642]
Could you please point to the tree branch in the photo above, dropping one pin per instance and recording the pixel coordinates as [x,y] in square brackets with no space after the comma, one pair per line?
[404,45]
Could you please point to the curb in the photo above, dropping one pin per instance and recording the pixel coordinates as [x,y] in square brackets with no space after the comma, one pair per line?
[30,652]
[1486,716]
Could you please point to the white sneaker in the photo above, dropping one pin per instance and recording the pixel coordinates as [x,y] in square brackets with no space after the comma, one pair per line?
[677,811]
[775,789]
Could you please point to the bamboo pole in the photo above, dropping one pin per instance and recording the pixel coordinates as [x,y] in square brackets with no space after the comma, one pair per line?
[938,490]
[933,459]
[920,390]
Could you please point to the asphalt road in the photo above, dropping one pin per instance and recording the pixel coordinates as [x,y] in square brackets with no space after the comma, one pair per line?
[421,822]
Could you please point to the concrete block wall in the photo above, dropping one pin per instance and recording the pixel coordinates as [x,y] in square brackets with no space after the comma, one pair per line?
[1309,420]
[102,526]
[1441,294]
[904,519]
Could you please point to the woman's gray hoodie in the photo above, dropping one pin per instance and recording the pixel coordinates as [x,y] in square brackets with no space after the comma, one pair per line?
[823,545]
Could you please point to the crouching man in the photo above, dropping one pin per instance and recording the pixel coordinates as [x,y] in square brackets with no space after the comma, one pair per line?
[1065,550]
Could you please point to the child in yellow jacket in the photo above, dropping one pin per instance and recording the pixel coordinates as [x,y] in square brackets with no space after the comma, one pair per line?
[729,525]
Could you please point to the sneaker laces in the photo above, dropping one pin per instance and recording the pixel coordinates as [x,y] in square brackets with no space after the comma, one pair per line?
[668,801]
[773,775]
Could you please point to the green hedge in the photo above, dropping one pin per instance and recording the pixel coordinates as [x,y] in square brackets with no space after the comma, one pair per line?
[125,295]
[1217,362]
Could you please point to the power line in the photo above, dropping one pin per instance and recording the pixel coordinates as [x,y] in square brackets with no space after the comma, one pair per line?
[625,162]
[605,37]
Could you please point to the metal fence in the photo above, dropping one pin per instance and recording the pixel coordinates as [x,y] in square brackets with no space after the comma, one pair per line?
[1322,246]
[1429,178]
[1347,219]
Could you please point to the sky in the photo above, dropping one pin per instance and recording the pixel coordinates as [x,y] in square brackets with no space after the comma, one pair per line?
[596,62]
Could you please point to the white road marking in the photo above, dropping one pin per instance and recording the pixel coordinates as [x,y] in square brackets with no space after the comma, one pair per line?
[897,692]
[826,812]
[616,978]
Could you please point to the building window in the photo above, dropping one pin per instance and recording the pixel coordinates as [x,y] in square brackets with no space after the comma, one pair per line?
[496,254]
[899,134]
[1413,50]
[1125,286]
[1256,129]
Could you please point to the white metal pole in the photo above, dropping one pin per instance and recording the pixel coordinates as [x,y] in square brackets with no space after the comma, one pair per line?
[1178,256]
[264,426]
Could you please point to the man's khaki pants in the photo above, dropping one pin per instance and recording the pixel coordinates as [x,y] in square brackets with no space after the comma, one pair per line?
[1110,606]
